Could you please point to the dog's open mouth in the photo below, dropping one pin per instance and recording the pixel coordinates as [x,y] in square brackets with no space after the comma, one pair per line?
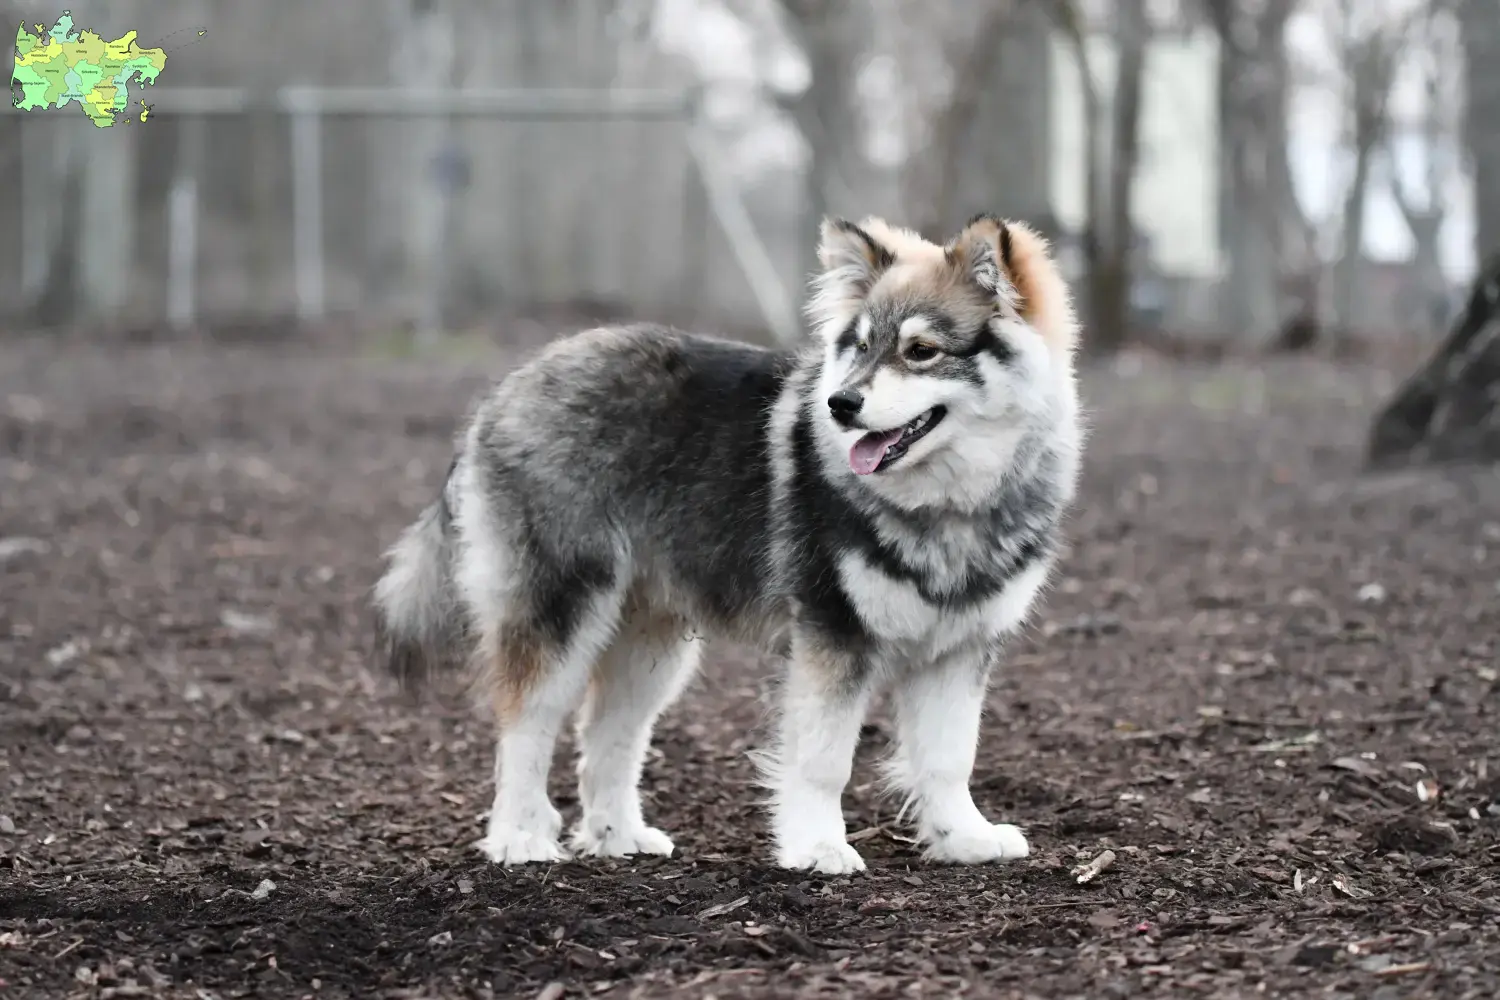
[881,449]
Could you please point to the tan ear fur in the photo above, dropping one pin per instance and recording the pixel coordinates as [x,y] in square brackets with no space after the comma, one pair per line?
[1013,261]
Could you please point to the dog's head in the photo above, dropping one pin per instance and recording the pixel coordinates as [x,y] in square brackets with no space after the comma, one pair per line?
[939,360]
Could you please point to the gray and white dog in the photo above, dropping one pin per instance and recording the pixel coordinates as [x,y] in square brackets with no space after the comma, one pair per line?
[885,503]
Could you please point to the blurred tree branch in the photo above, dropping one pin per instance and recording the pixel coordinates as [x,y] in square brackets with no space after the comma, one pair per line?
[931,187]
[1369,57]
[1113,153]
[833,36]
[1425,216]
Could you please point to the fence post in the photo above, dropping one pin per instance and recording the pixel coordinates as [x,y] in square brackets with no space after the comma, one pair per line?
[695,223]
[307,205]
[182,225]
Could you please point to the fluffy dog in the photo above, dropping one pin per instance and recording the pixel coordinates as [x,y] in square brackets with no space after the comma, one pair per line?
[884,503]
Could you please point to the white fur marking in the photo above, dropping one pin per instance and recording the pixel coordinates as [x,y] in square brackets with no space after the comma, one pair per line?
[895,398]
[913,327]
[938,713]
[891,609]
[643,671]
[1009,609]
[815,754]
[523,824]
[895,610]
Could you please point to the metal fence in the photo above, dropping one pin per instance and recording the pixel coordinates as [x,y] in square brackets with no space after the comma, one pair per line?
[434,208]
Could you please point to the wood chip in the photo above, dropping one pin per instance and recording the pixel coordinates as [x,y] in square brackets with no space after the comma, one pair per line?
[1402,970]
[1343,885]
[1090,871]
[723,908]
[1370,946]
[1357,765]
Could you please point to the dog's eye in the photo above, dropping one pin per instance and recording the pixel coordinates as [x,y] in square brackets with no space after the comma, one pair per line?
[921,352]
[862,346]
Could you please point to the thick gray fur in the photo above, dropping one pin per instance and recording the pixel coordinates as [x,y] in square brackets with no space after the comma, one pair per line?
[635,480]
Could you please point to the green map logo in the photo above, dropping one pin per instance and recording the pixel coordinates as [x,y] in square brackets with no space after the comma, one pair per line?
[64,65]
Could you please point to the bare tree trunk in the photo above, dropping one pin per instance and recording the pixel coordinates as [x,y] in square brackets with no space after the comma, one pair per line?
[1370,63]
[1110,280]
[1094,194]
[1351,259]
[833,36]
[931,180]
[1257,202]
[1012,135]
[1480,20]
[1449,410]
[1113,151]
[1426,223]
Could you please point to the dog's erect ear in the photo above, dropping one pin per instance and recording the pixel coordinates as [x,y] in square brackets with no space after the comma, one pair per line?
[1012,263]
[853,261]
[853,253]
[982,251]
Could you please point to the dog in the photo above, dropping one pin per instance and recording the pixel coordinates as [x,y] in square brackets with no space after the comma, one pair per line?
[883,504]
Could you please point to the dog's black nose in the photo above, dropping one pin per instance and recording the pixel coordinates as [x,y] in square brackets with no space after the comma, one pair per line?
[845,404]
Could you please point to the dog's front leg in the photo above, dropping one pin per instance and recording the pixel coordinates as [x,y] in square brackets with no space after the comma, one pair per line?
[823,705]
[938,708]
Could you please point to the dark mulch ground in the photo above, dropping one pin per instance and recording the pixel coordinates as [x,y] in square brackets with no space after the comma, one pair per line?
[1252,658]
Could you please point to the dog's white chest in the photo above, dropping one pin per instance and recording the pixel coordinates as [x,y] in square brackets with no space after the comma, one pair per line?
[895,611]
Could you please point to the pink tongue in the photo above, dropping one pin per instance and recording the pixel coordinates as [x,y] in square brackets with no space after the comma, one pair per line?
[867,452]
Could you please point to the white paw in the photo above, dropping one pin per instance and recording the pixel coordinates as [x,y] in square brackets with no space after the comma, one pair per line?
[976,845]
[610,842]
[828,857]
[510,845]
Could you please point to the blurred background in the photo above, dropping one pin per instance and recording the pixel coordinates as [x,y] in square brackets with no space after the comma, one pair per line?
[1251,173]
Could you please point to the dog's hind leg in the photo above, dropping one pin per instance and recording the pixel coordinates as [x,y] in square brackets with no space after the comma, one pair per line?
[651,660]
[535,660]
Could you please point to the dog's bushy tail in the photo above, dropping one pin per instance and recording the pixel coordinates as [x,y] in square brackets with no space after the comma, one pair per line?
[419,618]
